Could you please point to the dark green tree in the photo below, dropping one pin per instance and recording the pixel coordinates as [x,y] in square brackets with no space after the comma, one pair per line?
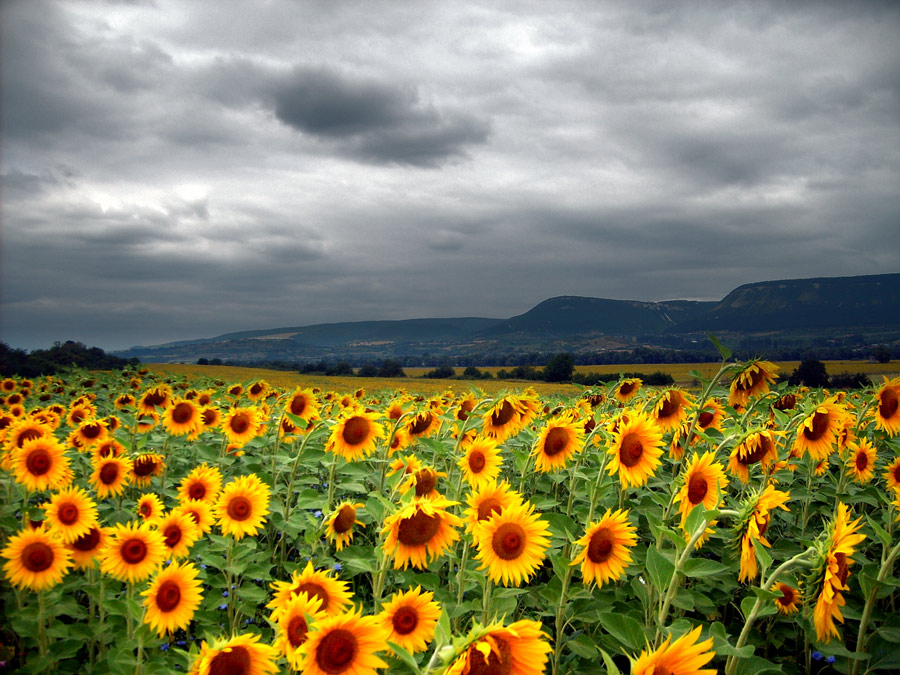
[560,368]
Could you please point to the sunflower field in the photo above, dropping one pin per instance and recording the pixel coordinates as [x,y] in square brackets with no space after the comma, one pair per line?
[159,524]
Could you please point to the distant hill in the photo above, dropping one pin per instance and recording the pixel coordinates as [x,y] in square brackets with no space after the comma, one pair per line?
[768,313]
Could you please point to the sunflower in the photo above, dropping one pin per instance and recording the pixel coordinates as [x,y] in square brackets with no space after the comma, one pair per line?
[36,559]
[754,522]
[423,424]
[346,643]
[704,483]
[258,390]
[179,532]
[636,449]
[408,464]
[506,418]
[173,597]
[145,466]
[125,401]
[831,577]
[410,618]
[560,440]
[670,409]
[292,626]
[606,548]
[512,544]
[26,429]
[355,436]
[203,483]
[41,464]
[424,482]
[146,422]
[70,513]
[242,506]
[790,599]
[756,447]
[80,410]
[241,425]
[8,384]
[181,417]
[240,655]
[487,501]
[132,552]
[111,475]
[711,417]
[818,432]
[887,412]
[88,546]
[200,512]
[339,525]
[154,398]
[91,432]
[481,462]
[303,403]
[753,380]
[522,648]
[150,508]
[235,390]
[333,594]
[685,656]
[627,389]
[419,532]
[892,475]
[861,461]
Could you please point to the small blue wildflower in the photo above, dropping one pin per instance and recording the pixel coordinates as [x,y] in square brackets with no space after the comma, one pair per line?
[318,514]
[817,656]
[181,643]
[338,567]
[226,607]
[830,659]
[164,647]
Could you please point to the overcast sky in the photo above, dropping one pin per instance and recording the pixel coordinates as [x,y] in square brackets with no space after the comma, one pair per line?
[182,169]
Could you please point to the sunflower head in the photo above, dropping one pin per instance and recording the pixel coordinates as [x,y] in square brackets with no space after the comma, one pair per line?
[684,656]
[356,435]
[41,463]
[861,461]
[71,513]
[339,525]
[132,552]
[671,409]
[636,449]
[512,544]
[410,618]
[480,464]
[203,483]
[346,643]
[606,548]
[560,440]
[332,594]
[293,625]
[172,598]
[242,506]
[753,380]
[35,559]
[887,409]
[522,648]
[419,532]
[240,655]
[789,601]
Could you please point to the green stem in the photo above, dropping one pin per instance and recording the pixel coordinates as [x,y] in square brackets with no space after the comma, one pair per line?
[43,647]
[461,578]
[486,600]
[675,581]
[331,467]
[886,569]
[560,623]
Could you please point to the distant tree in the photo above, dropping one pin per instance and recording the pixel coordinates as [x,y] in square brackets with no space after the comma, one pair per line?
[849,381]
[881,353]
[215,362]
[658,379]
[440,373]
[340,368]
[367,370]
[473,373]
[202,361]
[391,368]
[810,373]
[560,368]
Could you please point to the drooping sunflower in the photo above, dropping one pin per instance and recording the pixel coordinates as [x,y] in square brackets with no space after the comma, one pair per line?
[522,648]
[410,619]
[181,417]
[704,483]
[146,422]
[861,461]
[790,600]
[173,597]
[293,627]
[242,506]
[606,548]
[424,482]
[179,532]
[200,512]
[711,417]
[406,465]
[753,380]
[345,643]
[512,544]
[671,409]
[487,501]
[424,424]
[892,475]
[150,508]
[752,524]
[303,403]
[560,440]
[41,464]
[419,532]
[627,389]
[240,655]
[125,401]
[506,418]
[481,462]
[35,559]
[111,475]
[817,434]
[132,552]
[203,483]
[887,412]
[258,390]
[339,525]
[356,435]
[635,451]
[831,576]
[756,447]
[145,466]
[332,594]
[241,425]
[70,513]
[153,398]
[685,656]
[88,546]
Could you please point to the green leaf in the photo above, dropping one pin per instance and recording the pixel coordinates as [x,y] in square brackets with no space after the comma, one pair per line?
[625,629]
[611,668]
[722,645]
[695,519]
[696,374]
[765,608]
[883,536]
[765,560]
[723,351]
[404,656]
[765,594]
[442,632]
[701,567]
[357,559]
[660,569]
[581,645]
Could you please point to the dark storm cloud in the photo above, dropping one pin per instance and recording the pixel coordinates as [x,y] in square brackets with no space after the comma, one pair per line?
[373,120]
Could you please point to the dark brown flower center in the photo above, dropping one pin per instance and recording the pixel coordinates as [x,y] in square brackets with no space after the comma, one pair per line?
[787,595]
[155,399]
[418,529]
[168,596]
[296,631]
[38,462]
[172,535]
[631,450]
[67,513]
[313,590]
[133,551]
[786,402]
[235,661]
[697,488]
[197,490]
[344,520]
[239,508]
[91,431]
[27,435]
[464,409]
[426,481]
[669,408]
[421,424]
[239,423]
[509,541]
[760,449]
[356,430]
[405,620]
[494,664]
[336,652]
[37,557]
[601,545]
[109,473]
[888,404]
[88,541]
[705,419]
[626,388]
[144,466]
[820,424]
[862,461]
[556,441]
[843,568]
[298,405]
[476,461]
[183,413]
[489,507]
[502,416]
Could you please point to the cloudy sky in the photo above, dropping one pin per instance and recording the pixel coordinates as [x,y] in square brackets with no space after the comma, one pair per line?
[175,169]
